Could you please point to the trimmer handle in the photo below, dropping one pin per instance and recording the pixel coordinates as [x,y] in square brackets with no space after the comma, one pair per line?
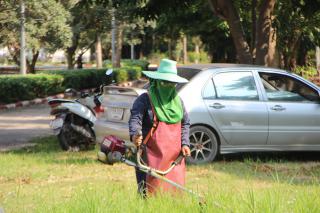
[178,160]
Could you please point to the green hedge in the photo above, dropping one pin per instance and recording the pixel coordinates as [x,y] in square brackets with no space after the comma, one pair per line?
[80,79]
[128,63]
[15,88]
[130,69]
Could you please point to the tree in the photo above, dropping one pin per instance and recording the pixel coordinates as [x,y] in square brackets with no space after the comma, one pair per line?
[226,10]
[128,28]
[134,32]
[265,34]
[262,31]
[188,17]
[298,31]
[88,22]
[45,28]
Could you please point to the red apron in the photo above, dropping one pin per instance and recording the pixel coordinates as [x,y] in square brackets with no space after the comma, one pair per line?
[163,148]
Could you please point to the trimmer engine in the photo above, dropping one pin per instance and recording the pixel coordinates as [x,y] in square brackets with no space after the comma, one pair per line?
[113,149]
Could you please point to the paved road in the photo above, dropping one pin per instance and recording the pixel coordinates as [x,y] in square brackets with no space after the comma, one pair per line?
[18,126]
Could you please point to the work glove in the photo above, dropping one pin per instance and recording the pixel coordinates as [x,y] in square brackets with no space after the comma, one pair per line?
[137,139]
[185,151]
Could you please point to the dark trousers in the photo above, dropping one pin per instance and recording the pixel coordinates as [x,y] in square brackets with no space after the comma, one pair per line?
[141,182]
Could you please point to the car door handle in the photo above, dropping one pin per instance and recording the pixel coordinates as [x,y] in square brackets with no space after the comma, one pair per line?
[278,108]
[217,106]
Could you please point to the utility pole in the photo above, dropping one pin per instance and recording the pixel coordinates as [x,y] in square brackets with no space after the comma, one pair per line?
[98,51]
[113,36]
[185,53]
[132,51]
[22,40]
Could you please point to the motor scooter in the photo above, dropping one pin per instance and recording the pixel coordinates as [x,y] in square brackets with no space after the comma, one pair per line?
[74,119]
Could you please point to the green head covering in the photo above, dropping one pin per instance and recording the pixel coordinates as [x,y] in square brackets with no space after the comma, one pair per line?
[166,102]
[166,71]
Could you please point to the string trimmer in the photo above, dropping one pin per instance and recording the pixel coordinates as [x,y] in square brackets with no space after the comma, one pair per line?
[115,150]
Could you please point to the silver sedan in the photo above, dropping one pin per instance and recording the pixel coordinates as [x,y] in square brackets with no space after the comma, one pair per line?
[232,108]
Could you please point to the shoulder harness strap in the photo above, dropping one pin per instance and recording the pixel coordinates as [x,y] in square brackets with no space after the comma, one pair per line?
[154,125]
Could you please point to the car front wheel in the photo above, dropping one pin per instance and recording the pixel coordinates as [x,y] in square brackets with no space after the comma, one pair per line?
[203,145]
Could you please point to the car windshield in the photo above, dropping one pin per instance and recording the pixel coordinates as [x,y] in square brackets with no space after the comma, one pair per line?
[186,73]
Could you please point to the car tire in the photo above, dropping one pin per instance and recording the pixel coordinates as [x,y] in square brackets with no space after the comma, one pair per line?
[204,145]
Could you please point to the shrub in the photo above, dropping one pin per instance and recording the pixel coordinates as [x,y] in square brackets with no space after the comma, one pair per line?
[120,75]
[143,64]
[107,63]
[16,88]
[202,57]
[306,71]
[81,79]
[132,68]
[128,63]
[156,57]
[134,72]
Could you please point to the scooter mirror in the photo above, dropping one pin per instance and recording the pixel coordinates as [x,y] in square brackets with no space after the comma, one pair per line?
[70,93]
[109,71]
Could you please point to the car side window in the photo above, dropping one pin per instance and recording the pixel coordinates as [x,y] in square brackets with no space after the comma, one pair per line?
[281,87]
[235,86]
[209,91]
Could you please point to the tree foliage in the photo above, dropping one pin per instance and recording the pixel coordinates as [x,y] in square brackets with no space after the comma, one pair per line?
[298,30]
[256,27]
[45,27]
[86,22]
[265,32]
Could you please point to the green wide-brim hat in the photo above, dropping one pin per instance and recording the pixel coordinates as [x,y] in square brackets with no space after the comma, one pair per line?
[167,71]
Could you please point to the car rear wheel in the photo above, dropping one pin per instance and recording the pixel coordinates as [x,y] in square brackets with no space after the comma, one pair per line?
[203,145]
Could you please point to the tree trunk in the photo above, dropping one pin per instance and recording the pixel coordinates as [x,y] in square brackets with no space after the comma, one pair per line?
[98,51]
[93,53]
[14,51]
[71,51]
[264,30]
[31,66]
[290,55]
[302,58]
[273,55]
[254,28]
[318,58]
[119,34]
[79,62]
[294,55]
[169,48]
[226,10]
[185,52]
[70,57]
[197,51]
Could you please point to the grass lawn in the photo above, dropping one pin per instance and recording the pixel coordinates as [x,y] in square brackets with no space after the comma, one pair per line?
[45,179]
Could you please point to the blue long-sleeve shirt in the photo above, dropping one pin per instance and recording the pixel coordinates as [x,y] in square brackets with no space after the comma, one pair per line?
[142,119]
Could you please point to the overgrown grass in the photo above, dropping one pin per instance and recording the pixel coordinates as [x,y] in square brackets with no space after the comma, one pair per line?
[46,179]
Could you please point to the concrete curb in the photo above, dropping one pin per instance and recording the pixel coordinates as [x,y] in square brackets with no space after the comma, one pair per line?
[45,100]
